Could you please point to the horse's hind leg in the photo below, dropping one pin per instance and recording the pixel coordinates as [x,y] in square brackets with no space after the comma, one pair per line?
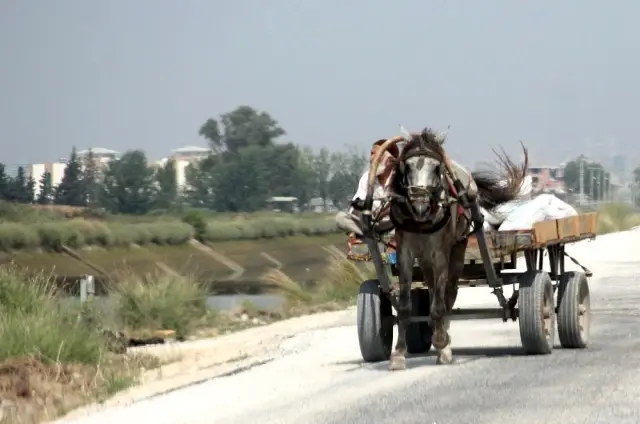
[397,361]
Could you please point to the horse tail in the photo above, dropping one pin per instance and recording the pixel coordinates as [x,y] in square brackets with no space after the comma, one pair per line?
[496,188]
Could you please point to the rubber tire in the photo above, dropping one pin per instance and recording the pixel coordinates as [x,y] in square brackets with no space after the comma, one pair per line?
[419,333]
[375,339]
[572,286]
[533,287]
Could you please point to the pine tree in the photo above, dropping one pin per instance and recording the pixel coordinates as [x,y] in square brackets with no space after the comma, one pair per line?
[90,180]
[4,182]
[70,191]
[45,194]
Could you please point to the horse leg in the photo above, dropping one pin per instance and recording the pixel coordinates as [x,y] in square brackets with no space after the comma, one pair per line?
[438,313]
[397,361]
[456,267]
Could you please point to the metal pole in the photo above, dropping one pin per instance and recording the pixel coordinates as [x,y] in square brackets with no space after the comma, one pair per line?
[581,181]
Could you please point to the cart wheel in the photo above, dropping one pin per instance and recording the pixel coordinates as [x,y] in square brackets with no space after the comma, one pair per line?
[419,333]
[375,323]
[536,312]
[574,310]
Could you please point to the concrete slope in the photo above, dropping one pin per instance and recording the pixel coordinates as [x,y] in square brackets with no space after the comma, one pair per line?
[317,377]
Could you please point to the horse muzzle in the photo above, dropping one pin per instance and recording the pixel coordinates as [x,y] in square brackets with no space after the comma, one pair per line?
[420,203]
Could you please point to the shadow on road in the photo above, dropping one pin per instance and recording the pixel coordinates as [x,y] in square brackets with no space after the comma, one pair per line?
[460,354]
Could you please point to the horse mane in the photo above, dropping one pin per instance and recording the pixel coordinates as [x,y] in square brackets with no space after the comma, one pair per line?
[427,140]
[504,185]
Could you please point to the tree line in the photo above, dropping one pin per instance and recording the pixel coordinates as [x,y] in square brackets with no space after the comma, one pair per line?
[249,164]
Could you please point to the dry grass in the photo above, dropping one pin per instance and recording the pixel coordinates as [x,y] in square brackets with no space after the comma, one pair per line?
[614,217]
[338,288]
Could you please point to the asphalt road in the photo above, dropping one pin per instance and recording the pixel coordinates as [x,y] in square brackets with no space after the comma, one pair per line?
[319,378]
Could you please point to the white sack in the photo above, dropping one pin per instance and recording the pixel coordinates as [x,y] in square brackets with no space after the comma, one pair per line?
[541,208]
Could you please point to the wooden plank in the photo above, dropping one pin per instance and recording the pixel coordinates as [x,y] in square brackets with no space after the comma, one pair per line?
[568,227]
[545,232]
[588,223]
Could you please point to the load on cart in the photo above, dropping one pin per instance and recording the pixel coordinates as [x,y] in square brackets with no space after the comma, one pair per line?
[428,229]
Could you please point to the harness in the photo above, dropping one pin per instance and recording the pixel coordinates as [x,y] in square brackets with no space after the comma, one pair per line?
[401,212]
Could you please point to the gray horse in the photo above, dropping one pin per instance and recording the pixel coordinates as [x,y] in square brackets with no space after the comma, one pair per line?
[433,227]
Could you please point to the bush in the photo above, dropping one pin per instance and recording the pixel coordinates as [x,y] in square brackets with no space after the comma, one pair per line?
[269,226]
[160,302]
[617,217]
[79,232]
[34,323]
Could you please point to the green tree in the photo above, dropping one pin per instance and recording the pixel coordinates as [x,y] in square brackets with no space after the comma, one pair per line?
[20,188]
[4,182]
[322,167]
[90,180]
[200,181]
[595,178]
[242,127]
[45,192]
[347,169]
[167,186]
[242,181]
[636,175]
[71,191]
[128,185]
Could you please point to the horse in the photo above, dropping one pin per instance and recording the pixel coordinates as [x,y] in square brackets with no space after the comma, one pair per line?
[433,224]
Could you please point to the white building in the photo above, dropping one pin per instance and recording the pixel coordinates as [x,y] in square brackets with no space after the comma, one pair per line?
[183,157]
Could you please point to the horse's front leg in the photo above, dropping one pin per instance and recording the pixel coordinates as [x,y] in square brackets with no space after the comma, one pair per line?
[456,268]
[405,274]
[439,316]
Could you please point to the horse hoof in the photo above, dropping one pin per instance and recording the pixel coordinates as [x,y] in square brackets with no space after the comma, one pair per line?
[440,340]
[397,363]
[445,356]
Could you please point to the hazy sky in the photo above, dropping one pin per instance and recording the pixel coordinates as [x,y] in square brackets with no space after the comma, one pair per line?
[146,73]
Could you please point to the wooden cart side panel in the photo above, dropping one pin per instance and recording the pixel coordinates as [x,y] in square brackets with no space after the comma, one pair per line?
[504,243]
[545,231]
[566,229]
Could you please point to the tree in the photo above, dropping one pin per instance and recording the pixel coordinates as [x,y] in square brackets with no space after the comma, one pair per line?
[242,127]
[45,192]
[321,167]
[90,180]
[636,175]
[128,185]
[70,191]
[242,182]
[211,131]
[20,188]
[347,170]
[594,177]
[200,183]
[4,182]
[167,186]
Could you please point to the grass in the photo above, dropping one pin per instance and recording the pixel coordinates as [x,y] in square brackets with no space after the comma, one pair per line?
[50,361]
[51,227]
[617,217]
[161,302]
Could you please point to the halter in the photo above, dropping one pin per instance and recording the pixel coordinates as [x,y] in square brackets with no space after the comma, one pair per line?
[404,216]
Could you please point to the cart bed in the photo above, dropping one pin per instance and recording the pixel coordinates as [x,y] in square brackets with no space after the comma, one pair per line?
[505,243]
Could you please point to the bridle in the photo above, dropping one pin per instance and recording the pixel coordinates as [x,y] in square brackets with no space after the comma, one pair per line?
[432,195]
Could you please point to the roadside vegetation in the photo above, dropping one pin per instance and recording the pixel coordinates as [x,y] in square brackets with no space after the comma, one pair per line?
[57,355]
[614,217]
[23,227]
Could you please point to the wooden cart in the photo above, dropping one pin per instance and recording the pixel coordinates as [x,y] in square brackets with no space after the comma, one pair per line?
[532,304]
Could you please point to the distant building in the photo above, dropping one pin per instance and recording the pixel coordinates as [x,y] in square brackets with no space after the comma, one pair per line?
[101,155]
[547,179]
[618,163]
[183,157]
